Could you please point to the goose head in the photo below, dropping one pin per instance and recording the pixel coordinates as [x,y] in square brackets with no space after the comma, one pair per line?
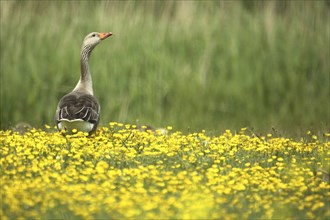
[94,38]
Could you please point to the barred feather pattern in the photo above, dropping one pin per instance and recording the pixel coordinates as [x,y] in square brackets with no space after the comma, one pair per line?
[77,105]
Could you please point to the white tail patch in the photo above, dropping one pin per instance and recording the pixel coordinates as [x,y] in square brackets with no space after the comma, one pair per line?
[78,124]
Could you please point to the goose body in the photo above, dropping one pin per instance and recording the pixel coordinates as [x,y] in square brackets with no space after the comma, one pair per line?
[79,109]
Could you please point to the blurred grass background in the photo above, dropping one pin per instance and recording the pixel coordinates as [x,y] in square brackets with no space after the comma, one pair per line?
[194,65]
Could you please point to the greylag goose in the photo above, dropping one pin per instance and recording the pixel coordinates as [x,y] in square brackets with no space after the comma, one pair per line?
[79,110]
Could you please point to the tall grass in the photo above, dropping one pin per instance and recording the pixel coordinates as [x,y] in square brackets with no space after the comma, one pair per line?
[190,64]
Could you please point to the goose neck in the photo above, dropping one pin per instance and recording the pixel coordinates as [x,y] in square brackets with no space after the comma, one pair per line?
[85,81]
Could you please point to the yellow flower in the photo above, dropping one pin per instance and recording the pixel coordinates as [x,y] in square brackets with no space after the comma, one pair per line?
[128,173]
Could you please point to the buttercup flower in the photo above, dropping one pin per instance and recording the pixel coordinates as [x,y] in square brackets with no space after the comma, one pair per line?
[123,171]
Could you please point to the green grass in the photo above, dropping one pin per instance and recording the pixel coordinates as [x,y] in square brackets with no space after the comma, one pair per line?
[193,65]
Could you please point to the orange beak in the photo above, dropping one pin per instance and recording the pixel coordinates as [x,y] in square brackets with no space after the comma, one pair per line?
[105,35]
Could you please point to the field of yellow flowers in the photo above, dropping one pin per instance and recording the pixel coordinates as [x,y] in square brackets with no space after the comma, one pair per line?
[125,172]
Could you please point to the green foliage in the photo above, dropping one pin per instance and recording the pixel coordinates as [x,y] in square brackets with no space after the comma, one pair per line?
[193,64]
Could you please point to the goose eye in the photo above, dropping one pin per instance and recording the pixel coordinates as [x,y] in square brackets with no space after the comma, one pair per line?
[93,35]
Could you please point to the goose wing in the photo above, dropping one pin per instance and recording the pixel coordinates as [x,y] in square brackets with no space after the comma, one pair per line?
[77,106]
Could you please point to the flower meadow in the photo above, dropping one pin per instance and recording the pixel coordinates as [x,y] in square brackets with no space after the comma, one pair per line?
[127,172]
